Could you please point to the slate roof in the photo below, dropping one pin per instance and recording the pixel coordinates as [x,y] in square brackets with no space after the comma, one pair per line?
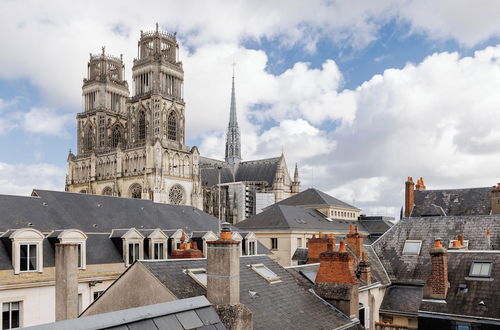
[452,202]
[280,305]
[467,302]
[97,216]
[190,313]
[289,217]
[300,255]
[316,198]
[254,170]
[402,299]
[416,269]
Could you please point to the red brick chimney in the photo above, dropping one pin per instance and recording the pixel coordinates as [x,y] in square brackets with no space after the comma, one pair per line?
[437,284]
[409,196]
[488,239]
[187,250]
[336,281]
[355,240]
[420,184]
[365,271]
[316,245]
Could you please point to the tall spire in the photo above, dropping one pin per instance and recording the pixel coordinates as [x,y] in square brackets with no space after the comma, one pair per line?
[233,139]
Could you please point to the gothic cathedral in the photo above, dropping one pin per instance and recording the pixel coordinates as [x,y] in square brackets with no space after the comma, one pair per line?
[135,146]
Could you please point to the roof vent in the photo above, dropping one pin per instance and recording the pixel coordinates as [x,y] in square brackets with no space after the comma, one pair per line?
[481,303]
[99,205]
[328,219]
[30,224]
[462,288]
[45,204]
[94,225]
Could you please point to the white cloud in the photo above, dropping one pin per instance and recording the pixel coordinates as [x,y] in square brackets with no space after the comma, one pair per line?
[45,121]
[21,179]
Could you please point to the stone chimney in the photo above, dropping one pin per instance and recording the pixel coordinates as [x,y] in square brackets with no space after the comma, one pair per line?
[437,284]
[223,281]
[316,245]
[355,240]
[495,199]
[365,271]
[409,196]
[66,281]
[336,281]
[420,184]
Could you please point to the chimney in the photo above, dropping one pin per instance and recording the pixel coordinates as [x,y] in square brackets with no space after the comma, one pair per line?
[316,245]
[437,284]
[488,239]
[336,281]
[495,199]
[409,196]
[420,184]
[365,271]
[66,281]
[223,281]
[458,244]
[186,250]
[355,241]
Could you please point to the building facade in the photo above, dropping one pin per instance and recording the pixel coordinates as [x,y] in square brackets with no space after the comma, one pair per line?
[134,146]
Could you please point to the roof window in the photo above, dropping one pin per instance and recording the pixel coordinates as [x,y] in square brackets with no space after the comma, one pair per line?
[480,269]
[199,275]
[266,273]
[412,247]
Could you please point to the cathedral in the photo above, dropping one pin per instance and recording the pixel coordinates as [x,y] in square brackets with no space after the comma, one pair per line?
[134,146]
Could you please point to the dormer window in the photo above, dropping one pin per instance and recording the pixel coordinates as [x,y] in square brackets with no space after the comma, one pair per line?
[158,251]
[132,244]
[158,241]
[480,269]
[412,247]
[73,236]
[27,251]
[250,243]
[133,252]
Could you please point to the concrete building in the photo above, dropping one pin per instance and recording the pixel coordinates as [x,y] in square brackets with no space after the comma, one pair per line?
[110,233]
[135,146]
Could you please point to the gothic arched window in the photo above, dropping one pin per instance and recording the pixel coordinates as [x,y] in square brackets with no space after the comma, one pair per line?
[141,126]
[172,126]
[88,139]
[116,136]
[136,191]
[107,191]
[176,195]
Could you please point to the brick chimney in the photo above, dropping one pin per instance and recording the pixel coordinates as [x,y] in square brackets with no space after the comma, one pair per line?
[66,281]
[420,184]
[437,284]
[223,281]
[355,240]
[488,239]
[336,281]
[316,245]
[409,196]
[458,244]
[186,250]
[495,199]
[365,271]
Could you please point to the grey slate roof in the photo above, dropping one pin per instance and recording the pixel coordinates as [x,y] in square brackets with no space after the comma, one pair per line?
[300,255]
[461,302]
[189,313]
[402,299]
[254,170]
[416,269]
[452,202]
[289,217]
[280,305]
[316,198]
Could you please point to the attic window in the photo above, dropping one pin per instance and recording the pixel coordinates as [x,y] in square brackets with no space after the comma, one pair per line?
[412,247]
[266,273]
[199,275]
[480,269]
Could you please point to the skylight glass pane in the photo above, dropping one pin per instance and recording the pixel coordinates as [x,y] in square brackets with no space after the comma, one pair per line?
[265,272]
[412,247]
[202,277]
[199,275]
[480,269]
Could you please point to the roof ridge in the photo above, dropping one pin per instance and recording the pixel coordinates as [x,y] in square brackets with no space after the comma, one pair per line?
[261,160]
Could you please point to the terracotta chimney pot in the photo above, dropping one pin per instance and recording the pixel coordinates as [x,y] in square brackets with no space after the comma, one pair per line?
[342,247]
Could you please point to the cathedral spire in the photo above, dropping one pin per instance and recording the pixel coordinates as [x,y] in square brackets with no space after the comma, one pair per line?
[233,140]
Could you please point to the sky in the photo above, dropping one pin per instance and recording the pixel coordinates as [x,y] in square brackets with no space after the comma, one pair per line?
[360,94]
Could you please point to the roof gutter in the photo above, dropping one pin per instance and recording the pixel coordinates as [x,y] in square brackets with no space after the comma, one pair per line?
[488,320]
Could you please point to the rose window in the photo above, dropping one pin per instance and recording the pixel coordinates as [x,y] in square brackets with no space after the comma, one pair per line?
[176,195]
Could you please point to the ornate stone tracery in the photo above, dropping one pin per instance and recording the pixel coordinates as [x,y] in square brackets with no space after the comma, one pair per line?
[176,195]
[135,191]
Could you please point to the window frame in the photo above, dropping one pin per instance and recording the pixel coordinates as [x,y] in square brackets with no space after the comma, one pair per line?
[28,257]
[19,310]
[489,262]
[136,252]
[274,279]
[412,241]
[273,245]
[26,236]
[191,272]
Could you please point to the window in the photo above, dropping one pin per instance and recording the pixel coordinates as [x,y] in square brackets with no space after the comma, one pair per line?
[172,126]
[299,242]
[97,294]
[88,139]
[80,303]
[176,195]
[158,251]
[412,247]
[463,326]
[107,191]
[141,129]
[28,257]
[274,243]
[251,248]
[480,268]
[136,191]
[10,315]
[133,252]
[266,273]
[116,136]
[80,257]
[199,275]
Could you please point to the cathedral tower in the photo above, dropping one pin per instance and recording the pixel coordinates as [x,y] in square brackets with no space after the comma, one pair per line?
[233,139]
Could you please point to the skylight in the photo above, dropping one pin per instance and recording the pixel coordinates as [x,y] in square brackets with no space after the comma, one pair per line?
[480,268]
[199,275]
[266,273]
[412,247]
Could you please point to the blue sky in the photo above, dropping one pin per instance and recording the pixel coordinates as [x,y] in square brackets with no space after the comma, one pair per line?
[360,94]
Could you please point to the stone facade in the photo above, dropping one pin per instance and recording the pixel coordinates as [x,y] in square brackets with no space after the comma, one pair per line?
[135,146]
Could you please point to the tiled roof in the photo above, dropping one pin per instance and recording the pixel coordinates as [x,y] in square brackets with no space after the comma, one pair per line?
[190,313]
[280,305]
[452,202]
[317,198]
[402,299]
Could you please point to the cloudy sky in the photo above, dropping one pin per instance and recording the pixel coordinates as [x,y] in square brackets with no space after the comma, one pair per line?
[361,94]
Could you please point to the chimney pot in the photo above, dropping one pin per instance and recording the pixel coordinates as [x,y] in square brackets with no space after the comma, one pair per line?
[437,243]
[487,232]
[460,238]
[350,228]
[342,247]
